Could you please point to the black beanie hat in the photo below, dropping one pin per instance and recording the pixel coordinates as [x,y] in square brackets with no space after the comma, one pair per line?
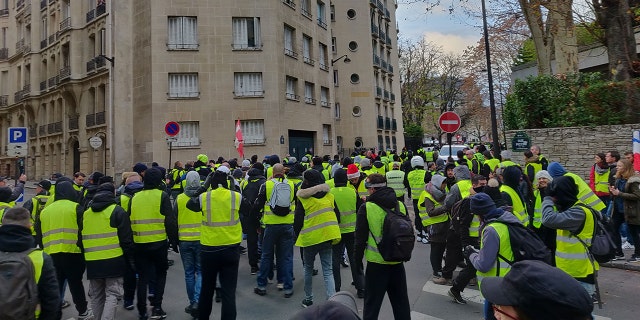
[481,203]
[152,178]
[312,178]
[340,177]
[106,187]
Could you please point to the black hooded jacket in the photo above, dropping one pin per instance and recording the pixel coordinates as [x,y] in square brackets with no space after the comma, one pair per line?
[64,191]
[255,179]
[15,238]
[114,267]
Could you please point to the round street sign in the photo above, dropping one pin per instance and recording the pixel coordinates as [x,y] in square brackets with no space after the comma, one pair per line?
[172,128]
[449,122]
[95,142]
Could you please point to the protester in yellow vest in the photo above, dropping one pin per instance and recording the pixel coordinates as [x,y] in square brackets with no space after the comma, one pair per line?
[395,180]
[531,166]
[220,237]
[547,235]
[316,224]
[356,180]
[152,222]
[511,195]
[599,178]
[347,202]
[415,180]
[563,211]
[381,277]
[435,219]
[495,245]
[585,195]
[59,229]
[36,204]
[106,238]
[16,238]
[189,223]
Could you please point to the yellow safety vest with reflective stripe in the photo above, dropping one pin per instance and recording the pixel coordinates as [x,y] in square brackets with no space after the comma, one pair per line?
[124,202]
[147,222]
[37,258]
[465,188]
[537,209]
[330,183]
[519,210]
[77,187]
[220,220]
[375,217]
[4,206]
[428,156]
[601,181]
[38,202]
[416,182]
[362,190]
[320,222]
[536,167]
[422,210]
[571,255]
[175,175]
[346,199]
[395,180]
[270,217]
[500,267]
[474,227]
[492,163]
[585,195]
[507,163]
[189,221]
[99,239]
[59,224]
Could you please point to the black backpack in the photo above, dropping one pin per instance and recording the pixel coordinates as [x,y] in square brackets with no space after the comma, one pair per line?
[602,247]
[525,244]
[19,291]
[458,212]
[398,237]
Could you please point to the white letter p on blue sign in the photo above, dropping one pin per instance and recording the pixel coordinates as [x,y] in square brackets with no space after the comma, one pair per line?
[17,135]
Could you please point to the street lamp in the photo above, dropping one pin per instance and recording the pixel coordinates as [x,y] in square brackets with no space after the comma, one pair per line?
[346,59]
[492,102]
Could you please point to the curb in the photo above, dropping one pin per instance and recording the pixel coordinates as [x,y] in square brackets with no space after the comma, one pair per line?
[622,265]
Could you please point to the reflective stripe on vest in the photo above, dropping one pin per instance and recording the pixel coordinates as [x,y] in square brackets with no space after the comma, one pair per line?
[422,210]
[361,190]
[270,217]
[175,174]
[59,225]
[189,222]
[38,202]
[500,267]
[320,222]
[147,222]
[585,195]
[602,181]
[346,199]
[519,210]
[474,227]
[395,180]
[507,163]
[416,182]
[375,217]
[4,206]
[221,220]
[571,255]
[99,239]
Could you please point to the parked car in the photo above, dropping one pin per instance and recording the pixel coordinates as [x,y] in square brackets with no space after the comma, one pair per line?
[444,151]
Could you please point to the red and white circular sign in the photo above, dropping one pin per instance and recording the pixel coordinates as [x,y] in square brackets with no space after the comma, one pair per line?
[449,122]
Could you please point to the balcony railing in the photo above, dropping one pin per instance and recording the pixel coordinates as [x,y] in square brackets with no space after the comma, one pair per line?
[291,53]
[43,4]
[387,123]
[324,103]
[4,12]
[101,9]
[52,38]
[322,23]
[27,8]
[19,4]
[383,35]
[380,122]
[33,131]
[324,66]
[19,46]
[73,123]
[393,97]
[43,44]
[42,130]
[374,30]
[100,118]
[309,100]
[380,6]
[65,24]
[18,96]
[43,85]
[91,15]
[57,126]
[95,119]
[306,13]
[53,81]
[383,64]
[387,14]
[327,142]
[372,3]
[91,65]
[65,73]
[100,62]
[394,125]
[290,3]
[292,96]
[376,61]
[390,68]
[386,95]
[26,48]
[51,128]
[388,41]
[4,53]
[378,92]
[309,61]
[4,100]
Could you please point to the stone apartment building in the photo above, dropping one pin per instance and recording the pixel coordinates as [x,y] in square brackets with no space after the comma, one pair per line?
[96,81]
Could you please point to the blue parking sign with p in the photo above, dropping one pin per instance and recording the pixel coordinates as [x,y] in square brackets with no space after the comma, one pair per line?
[17,135]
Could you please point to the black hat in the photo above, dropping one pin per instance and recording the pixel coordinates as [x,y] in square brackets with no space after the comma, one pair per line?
[44,184]
[312,178]
[340,177]
[540,291]
[481,203]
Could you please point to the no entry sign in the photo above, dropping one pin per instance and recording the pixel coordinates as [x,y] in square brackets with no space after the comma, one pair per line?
[449,122]
[172,128]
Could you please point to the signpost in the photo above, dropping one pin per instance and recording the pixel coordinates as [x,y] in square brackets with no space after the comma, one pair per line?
[17,147]
[520,142]
[172,129]
[449,122]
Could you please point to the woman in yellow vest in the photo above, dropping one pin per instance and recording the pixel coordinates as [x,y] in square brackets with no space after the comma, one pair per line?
[316,224]
[220,237]
[599,178]
[495,245]
[107,238]
[547,235]
[435,220]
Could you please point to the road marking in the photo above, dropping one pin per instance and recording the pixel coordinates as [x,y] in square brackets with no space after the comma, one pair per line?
[468,294]
[421,316]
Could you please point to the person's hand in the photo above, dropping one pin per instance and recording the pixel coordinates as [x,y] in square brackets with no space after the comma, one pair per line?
[23,178]
[614,191]
[468,250]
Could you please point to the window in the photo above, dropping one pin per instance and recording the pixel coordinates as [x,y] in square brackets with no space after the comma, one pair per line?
[337,111]
[246,34]
[322,18]
[324,96]
[353,46]
[289,36]
[322,58]
[248,84]
[189,135]
[306,50]
[309,93]
[326,134]
[305,6]
[292,85]
[332,12]
[351,13]
[335,78]
[356,111]
[252,131]
[355,78]
[380,145]
[334,45]
[183,85]
[183,33]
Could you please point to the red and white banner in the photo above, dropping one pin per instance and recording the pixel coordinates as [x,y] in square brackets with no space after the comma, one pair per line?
[239,143]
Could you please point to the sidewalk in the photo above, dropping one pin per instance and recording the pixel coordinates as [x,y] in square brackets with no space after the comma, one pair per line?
[623,264]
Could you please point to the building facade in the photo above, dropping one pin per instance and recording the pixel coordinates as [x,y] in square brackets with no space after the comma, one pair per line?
[97,81]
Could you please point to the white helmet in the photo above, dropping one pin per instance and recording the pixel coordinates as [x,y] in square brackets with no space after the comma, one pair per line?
[417,161]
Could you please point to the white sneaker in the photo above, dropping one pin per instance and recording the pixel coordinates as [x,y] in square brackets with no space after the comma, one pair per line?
[627,245]
[418,238]
[425,241]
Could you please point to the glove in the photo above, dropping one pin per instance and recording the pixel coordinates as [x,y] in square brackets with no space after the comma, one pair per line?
[468,250]
[174,247]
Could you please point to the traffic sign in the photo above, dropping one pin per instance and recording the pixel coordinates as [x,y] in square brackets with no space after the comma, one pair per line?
[17,135]
[17,150]
[449,122]
[172,128]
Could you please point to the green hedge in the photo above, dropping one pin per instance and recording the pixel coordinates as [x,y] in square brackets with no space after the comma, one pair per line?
[575,100]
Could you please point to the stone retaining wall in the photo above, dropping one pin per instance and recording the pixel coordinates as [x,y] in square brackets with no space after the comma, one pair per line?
[575,147]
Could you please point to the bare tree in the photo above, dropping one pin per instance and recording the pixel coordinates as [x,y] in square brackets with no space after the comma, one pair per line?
[616,18]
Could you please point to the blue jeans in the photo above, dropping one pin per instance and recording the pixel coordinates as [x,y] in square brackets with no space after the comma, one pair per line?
[190,255]
[278,238]
[326,256]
